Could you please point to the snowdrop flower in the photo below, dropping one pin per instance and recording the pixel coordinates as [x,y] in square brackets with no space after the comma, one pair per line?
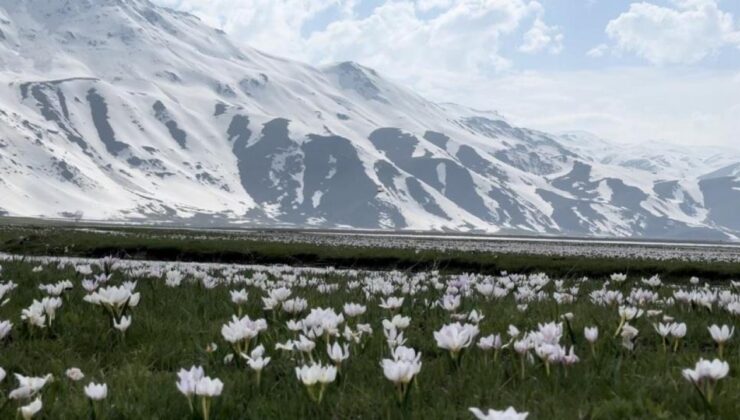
[513,331]
[116,300]
[490,342]
[450,303]
[627,314]
[629,333]
[678,331]
[393,336]
[187,382]
[475,317]
[28,386]
[337,353]
[721,335]
[705,375]
[549,353]
[398,321]
[208,388]
[123,324]
[280,294]
[570,358]
[663,330]
[508,414]
[391,303]
[591,334]
[257,362]
[75,374]
[96,392]
[401,370]
[295,306]
[239,297]
[5,327]
[618,277]
[240,331]
[2,374]
[30,410]
[353,310]
[316,377]
[550,332]
[455,337]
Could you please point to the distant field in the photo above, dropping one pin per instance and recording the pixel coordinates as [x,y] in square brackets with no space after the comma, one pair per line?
[712,263]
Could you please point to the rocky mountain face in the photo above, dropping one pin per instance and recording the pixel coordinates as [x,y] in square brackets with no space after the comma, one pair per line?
[122,110]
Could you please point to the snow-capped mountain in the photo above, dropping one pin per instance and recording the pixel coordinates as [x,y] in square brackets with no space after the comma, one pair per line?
[122,110]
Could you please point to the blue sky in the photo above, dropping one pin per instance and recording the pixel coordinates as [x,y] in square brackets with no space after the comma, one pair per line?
[630,71]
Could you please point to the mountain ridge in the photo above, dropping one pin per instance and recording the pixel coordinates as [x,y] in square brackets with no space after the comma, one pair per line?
[143,113]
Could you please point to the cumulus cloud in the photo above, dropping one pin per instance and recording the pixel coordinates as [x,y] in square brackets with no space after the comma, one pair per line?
[272,25]
[398,37]
[685,32]
[542,37]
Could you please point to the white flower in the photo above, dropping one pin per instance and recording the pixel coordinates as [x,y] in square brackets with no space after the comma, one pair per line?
[492,341]
[5,327]
[628,334]
[337,353]
[353,310]
[706,370]
[2,374]
[96,392]
[398,321]
[722,334]
[30,410]
[28,386]
[74,374]
[455,337]
[256,359]
[400,371]
[591,334]
[310,375]
[391,303]
[662,329]
[508,414]
[242,329]
[678,330]
[207,387]
[450,303]
[628,313]
[188,379]
[240,297]
[123,325]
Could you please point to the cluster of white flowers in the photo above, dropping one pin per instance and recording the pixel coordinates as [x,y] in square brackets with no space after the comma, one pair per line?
[322,342]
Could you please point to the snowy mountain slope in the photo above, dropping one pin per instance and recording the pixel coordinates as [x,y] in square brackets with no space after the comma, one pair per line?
[121,110]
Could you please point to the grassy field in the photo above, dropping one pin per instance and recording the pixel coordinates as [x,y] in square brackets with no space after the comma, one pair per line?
[203,246]
[172,328]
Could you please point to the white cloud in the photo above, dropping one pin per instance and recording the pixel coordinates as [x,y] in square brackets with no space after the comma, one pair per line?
[542,37]
[693,107]
[398,37]
[272,25]
[685,33]
[598,51]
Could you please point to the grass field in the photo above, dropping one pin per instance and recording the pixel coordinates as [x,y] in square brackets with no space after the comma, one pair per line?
[174,325]
[204,246]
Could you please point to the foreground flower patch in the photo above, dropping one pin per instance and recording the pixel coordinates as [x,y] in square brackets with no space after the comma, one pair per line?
[133,339]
